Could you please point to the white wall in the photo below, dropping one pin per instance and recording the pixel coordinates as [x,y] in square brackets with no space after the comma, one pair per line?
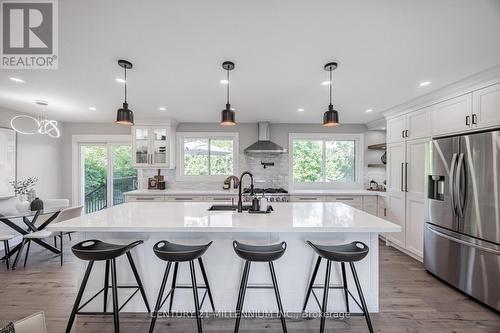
[37,156]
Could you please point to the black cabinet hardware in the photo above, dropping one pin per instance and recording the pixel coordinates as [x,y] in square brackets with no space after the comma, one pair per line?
[474,119]
[467,120]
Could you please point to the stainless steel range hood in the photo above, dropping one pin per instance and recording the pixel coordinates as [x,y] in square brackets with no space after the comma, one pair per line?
[264,145]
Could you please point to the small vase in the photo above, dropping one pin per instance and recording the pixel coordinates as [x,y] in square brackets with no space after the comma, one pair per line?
[22,204]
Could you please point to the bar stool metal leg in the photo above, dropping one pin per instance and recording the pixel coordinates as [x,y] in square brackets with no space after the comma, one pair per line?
[7,253]
[114,289]
[138,280]
[79,296]
[27,252]
[278,298]
[19,253]
[174,281]
[241,296]
[344,283]
[204,273]
[62,251]
[106,286]
[195,294]
[325,296]
[160,297]
[361,297]
[311,283]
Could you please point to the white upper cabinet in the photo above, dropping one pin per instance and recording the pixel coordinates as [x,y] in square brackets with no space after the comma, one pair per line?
[453,115]
[418,124]
[396,129]
[486,107]
[414,125]
[153,146]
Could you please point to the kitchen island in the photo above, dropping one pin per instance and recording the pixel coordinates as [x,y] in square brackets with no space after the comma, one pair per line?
[193,223]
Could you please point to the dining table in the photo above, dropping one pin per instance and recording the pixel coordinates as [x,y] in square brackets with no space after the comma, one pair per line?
[25,222]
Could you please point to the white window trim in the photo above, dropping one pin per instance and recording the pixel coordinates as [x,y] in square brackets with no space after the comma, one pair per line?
[359,158]
[205,135]
[77,163]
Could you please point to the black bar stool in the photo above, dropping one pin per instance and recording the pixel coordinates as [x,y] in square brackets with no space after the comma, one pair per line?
[258,253]
[96,250]
[176,253]
[349,253]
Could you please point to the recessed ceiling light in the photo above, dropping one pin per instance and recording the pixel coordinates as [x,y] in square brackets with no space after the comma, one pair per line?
[300,110]
[425,83]
[120,80]
[15,79]
[162,108]
[92,108]
[325,83]
[224,81]
[369,110]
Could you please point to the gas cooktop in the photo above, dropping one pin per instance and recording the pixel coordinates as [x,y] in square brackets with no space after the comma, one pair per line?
[269,190]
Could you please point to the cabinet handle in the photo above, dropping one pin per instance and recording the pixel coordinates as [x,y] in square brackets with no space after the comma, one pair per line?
[308,199]
[406,134]
[406,177]
[467,120]
[385,211]
[345,199]
[221,199]
[144,199]
[474,119]
[403,134]
[183,199]
[402,167]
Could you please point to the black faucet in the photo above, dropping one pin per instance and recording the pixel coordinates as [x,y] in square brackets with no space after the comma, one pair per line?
[240,202]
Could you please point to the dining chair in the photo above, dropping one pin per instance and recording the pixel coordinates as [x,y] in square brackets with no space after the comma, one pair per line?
[65,214]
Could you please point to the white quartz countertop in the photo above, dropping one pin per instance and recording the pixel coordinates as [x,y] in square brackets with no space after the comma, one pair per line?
[182,192]
[337,192]
[195,217]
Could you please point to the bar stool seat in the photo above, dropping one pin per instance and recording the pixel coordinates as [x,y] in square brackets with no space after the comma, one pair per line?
[176,254]
[344,253]
[354,251]
[260,253]
[96,250]
[168,251]
[5,237]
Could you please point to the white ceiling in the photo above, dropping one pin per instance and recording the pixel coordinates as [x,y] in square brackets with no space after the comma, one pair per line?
[384,49]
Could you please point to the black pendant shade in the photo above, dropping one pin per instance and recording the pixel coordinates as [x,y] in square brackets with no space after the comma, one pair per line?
[228,117]
[331,117]
[125,116]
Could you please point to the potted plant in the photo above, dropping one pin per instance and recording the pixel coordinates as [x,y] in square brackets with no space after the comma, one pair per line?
[21,189]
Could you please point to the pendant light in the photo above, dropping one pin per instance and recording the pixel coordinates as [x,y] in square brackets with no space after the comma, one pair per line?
[125,116]
[228,116]
[331,117]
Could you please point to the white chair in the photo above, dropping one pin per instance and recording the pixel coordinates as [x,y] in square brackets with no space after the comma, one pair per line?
[66,214]
[32,324]
[5,238]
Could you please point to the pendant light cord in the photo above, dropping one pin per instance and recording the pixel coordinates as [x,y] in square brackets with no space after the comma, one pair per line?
[227,89]
[331,82]
[125,68]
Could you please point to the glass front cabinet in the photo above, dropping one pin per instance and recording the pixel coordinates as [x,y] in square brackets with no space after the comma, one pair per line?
[153,146]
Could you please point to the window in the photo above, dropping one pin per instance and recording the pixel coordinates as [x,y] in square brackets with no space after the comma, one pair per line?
[207,155]
[319,160]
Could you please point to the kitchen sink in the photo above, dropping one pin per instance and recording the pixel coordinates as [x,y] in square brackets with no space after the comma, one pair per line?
[226,208]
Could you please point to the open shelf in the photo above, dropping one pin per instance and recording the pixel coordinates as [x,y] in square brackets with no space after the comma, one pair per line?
[378,146]
[373,165]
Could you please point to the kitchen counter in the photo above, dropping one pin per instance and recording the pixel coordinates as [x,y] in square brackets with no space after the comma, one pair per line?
[181,192]
[191,223]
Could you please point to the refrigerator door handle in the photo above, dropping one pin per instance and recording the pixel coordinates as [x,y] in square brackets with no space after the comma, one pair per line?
[459,197]
[452,183]
[461,241]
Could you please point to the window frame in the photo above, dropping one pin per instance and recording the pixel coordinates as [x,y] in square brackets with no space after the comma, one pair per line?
[358,139]
[181,136]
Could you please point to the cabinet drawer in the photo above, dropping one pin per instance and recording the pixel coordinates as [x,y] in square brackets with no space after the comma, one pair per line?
[225,198]
[355,201]
[131,198]
[370,200]
[183,198]
[306,198]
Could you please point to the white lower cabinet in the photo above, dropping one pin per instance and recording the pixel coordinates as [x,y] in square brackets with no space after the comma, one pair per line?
[146,198]
[306,198]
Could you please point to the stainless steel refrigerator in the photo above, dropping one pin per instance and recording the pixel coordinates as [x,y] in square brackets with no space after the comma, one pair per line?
[462,213]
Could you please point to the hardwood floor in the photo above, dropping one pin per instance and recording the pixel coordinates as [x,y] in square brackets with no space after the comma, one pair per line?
[411,300]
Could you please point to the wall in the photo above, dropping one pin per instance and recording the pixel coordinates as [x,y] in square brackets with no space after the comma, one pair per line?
[37,156]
